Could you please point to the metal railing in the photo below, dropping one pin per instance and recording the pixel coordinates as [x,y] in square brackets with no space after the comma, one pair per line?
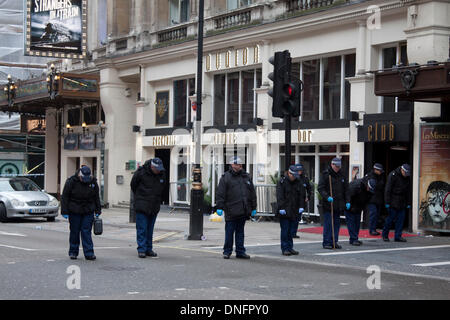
[303,5]
[179,194]
[233,19]
[266,196]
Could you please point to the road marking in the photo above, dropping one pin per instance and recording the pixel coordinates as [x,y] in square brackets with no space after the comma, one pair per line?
[133,292]
[166,235]
[267,244]
[12,234]
[18,248]
[380,250]
[180,289]
[432,264]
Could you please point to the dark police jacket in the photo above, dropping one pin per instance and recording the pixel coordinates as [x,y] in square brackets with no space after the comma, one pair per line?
[359,196]
[236,195]
[340,190]
[378,197]
[290,197]
[147,188]
[397,193]
[80,197]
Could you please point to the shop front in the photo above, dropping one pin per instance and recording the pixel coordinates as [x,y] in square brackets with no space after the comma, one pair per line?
[388,140]
[314,148]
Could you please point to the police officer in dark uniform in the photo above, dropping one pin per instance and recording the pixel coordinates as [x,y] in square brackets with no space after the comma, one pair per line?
[290,203]
[397,196]
[307,196]
[236,197]
[340,201]
[377,199]
[361,191]
[147,184]
[80,200]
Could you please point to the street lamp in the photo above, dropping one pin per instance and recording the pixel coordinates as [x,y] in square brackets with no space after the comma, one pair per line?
[10,91]
[53,82]
[69,128]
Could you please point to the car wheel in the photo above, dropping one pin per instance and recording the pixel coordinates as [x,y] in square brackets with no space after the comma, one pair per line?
[3,215]
[51,219]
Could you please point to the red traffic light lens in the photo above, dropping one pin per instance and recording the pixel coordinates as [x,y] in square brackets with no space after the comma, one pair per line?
[290,91]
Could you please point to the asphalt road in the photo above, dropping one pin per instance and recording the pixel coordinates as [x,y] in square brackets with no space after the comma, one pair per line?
[34,265]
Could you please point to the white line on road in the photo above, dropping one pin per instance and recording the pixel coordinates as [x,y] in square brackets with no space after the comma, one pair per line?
[18,248]
[267,244]
[12,234]
[380,250]
[432,264]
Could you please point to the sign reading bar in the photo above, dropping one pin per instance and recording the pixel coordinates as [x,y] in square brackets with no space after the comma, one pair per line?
[56,28]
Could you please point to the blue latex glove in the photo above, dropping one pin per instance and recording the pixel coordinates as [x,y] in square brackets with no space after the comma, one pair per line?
[387,206]
[408,207]
[219,212]
[253,213]
[347,205]
[330,199]
[282,212]
[66,216]
[301,210]
[97,215]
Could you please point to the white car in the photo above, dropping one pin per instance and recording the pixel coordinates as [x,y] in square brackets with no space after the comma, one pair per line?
[22,198]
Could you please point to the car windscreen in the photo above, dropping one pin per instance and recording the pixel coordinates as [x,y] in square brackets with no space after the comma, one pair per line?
[18,185]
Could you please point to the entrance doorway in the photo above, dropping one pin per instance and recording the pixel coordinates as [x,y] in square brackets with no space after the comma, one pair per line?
[391,155]
[164,155]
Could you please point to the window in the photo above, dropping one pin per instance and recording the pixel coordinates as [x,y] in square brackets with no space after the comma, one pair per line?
[182,89]
[391,57]
[240,103]
[311,93]
[233,98]
[102,22]
[219,100]
[235,4]
[332,88]
[88,113]
[74,117]
[326,94]
[179,11]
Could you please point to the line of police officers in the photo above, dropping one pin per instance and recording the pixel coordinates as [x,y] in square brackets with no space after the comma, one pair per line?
[236,199]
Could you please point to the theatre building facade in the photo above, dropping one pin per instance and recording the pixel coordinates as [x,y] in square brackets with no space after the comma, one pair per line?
[147,66]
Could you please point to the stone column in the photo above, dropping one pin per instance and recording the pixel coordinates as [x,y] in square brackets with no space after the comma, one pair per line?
[120,141]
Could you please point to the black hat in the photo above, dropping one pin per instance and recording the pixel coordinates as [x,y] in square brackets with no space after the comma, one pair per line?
[378,166]
[157,164]
[407,168]
[85,174]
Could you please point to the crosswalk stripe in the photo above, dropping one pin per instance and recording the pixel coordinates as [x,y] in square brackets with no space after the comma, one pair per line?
[334,253]
[432,264]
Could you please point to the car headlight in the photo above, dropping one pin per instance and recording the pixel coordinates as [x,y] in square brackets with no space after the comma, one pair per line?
[53,203]
[17,203]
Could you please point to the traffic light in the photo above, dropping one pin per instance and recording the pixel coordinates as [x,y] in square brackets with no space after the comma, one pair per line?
[280,76]
[291,98]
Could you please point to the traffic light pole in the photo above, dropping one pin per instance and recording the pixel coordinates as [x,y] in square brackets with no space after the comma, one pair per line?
[287,141]
[196,212]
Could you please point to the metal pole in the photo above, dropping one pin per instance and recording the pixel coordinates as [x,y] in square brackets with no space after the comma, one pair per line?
[287,141]
[196,214]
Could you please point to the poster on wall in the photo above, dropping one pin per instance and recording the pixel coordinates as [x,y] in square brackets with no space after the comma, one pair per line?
[434,178]
[162,108]
[56,28]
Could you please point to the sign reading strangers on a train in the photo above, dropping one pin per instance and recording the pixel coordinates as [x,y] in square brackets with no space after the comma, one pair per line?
[56,28]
